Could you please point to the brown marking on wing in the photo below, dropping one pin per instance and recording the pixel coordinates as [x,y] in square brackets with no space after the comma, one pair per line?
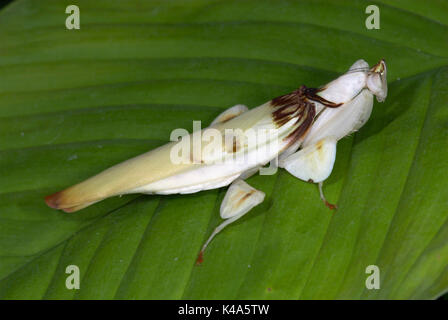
[232,147]
[308,118]
[299,105]
[235,146]
[294,105]
[289,106]
[312,94]
[288,99]
[303,92]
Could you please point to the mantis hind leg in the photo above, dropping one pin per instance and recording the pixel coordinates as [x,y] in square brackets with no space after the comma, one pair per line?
[239,200]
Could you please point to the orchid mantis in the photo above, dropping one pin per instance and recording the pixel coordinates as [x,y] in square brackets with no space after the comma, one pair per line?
[300,129]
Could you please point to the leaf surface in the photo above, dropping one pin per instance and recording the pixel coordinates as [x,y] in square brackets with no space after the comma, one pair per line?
[74,102]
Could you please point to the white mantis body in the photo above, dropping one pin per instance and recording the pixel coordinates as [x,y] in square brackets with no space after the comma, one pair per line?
[308,120]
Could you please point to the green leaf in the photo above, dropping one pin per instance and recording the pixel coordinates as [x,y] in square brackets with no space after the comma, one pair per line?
[73,102]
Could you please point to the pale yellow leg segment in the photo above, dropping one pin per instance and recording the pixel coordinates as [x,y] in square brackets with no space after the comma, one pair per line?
[230,113]
[239,200]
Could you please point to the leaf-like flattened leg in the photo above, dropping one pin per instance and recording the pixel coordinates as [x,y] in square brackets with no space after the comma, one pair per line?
[313,163]
[230,113]
[239,200]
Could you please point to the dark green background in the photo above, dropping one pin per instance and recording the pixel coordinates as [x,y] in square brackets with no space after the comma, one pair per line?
[75,102]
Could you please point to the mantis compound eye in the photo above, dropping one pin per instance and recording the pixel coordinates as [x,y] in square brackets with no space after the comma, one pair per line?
[377,80]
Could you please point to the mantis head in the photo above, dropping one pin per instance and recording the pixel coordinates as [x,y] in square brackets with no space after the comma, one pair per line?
[353,94]
[377,80]
[358,77]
